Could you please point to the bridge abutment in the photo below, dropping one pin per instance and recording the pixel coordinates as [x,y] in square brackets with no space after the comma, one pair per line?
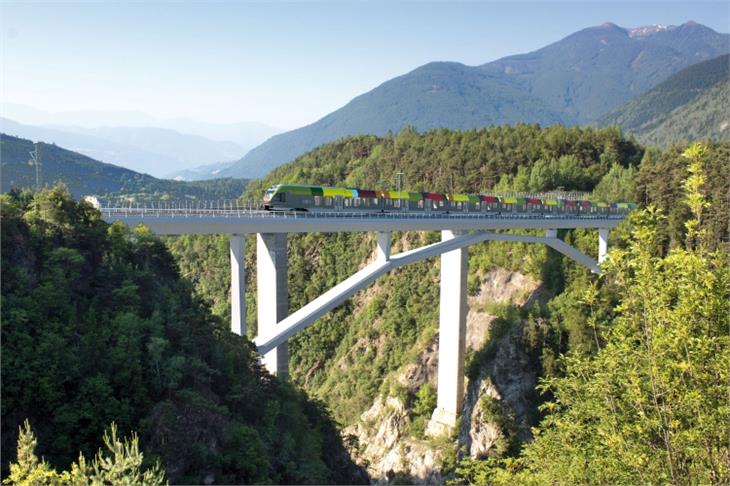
[452,338]
[237,244]
[273,296]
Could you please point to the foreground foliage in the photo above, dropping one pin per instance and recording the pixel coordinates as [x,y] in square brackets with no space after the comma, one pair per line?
[650,405]
[121,463]
[98,327]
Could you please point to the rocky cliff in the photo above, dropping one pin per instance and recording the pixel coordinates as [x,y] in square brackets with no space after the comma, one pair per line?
[387,439]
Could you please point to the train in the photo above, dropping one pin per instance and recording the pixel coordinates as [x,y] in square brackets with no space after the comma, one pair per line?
[310,198]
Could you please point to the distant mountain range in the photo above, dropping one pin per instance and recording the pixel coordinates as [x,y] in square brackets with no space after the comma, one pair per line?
[166,149]
[154,151]
[575,80]
[693,103]
[86,176]
[244,134]
[200,173]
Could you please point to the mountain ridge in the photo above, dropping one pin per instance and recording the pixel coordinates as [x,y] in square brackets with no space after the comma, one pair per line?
[638,114]
[153,150]
[244,133]
[86,176]
[573,80]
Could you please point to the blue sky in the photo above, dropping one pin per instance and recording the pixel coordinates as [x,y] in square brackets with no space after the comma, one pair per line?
[281,63]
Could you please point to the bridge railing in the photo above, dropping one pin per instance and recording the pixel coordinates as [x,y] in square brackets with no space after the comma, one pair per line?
[242,212]
[239,204]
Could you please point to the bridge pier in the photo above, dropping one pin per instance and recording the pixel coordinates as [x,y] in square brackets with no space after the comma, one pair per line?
[273,296]
[275,325]
[452,338]
[237,244]
[383,241]
[602,244]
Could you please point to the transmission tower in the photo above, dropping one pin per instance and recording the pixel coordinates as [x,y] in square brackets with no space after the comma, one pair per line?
[36,161]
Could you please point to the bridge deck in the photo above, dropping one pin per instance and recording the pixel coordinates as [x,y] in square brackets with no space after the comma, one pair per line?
[219,221]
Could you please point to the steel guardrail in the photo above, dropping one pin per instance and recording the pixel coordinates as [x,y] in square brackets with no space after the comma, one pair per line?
[264,214]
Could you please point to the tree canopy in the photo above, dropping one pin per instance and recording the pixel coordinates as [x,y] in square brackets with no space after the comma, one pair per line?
[99,327]
[649,404]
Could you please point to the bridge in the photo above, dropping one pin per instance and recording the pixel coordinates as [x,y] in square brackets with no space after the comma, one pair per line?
[276,325]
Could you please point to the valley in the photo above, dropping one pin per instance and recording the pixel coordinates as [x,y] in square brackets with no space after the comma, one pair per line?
[130,357]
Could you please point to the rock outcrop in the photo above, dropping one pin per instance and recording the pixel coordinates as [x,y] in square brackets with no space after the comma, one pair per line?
[385,448]
[383,443]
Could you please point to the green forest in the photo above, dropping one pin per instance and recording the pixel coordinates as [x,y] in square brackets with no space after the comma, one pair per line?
[100,328]
[633,364]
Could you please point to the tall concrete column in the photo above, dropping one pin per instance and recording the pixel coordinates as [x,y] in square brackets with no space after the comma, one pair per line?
[237,244]
[602,244]
[273,295]
[551,233]
[452,338]
[383,240]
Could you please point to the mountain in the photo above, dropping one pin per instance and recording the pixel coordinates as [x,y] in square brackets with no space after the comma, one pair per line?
[200,173]
[151,150]
[96,148]
[707,116]
[596,69]
[436,95]
[574,80]
[247,134]
[244,134]
[189,150]
[692,104]
[84,175]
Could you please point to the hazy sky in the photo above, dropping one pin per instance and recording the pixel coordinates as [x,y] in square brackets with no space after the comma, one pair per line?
[284,64]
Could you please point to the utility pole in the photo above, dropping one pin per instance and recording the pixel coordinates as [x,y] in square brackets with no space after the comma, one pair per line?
[399,181]
[36,161]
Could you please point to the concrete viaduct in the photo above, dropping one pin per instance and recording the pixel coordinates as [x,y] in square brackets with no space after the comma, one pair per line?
[276,325]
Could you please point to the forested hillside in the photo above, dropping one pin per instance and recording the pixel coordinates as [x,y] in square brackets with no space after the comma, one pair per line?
[691,105]
[86,176]
[99,327]
[705,117]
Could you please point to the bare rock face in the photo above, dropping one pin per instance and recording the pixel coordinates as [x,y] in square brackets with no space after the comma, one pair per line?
[383,445]
[424,370]
[385,449]
[480,435]
[510,377]
[498,286]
